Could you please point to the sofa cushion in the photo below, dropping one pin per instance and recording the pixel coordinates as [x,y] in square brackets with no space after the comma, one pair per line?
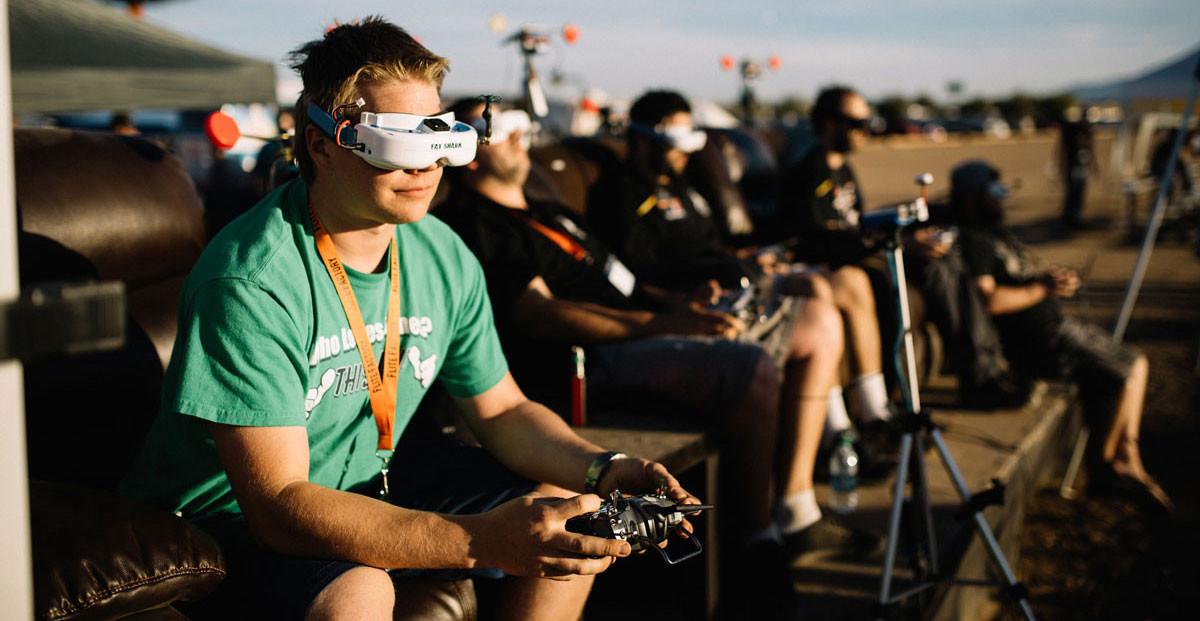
[123,203]
[99,556]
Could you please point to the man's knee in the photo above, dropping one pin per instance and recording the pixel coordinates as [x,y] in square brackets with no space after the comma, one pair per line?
[807,284]
[360,593]
[851,287]
[819,331]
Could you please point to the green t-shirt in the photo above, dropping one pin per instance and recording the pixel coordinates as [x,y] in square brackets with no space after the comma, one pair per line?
[263,341]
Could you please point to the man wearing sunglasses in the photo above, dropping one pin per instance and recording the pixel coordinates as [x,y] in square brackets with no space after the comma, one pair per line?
[820,208]
[821,205]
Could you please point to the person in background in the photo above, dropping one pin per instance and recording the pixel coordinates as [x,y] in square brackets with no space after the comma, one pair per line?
[660,354]
[822,207]
[1039,340]
[122,123]
[1077,161]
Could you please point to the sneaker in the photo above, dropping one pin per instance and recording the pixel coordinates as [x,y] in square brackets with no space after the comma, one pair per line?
[832,537]
[1004,392]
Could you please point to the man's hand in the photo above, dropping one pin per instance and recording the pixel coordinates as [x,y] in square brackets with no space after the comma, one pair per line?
[633,475]
[527,536]
[928,242]
[706,294]
[694,319]
[1061,281]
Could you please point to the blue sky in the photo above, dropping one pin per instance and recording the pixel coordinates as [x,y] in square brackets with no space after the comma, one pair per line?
[906,46]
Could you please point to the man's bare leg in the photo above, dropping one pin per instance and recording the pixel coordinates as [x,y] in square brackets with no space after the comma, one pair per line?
[542,598]
[815,349]
[853,296]
[364,593]
[748,452]
[535,599]
[1121,443]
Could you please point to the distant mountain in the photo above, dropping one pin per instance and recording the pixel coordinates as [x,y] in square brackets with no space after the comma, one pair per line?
[1168,80]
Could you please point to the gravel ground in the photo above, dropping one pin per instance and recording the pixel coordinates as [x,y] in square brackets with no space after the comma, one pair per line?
[1096,558]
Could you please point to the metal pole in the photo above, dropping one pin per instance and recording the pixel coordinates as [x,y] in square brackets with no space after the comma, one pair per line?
[1160,204]
[16,589]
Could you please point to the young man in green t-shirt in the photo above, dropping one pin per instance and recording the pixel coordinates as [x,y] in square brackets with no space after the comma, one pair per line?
[275,417]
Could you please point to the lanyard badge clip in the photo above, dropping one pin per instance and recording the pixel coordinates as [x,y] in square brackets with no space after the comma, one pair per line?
[385,458]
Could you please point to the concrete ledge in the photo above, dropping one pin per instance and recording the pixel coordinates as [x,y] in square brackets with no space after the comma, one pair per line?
[1017,447]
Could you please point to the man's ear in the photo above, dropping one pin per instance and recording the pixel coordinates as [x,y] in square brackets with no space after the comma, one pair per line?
[319,145]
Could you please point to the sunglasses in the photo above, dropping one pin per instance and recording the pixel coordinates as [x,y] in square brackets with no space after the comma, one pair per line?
[855,122]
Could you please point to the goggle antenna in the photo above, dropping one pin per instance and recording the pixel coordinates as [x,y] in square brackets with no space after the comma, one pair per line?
[487,100]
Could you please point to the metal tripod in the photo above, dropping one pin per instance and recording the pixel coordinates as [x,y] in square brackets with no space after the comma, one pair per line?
[912,455]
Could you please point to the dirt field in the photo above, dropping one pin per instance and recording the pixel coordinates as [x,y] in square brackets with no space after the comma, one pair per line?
[1091,558]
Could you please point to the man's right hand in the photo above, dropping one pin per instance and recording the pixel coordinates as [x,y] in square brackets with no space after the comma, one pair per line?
[695,319]
[527,536]
[1062,281]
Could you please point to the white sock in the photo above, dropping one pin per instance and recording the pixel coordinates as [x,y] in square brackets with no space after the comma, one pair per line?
[868,398]
[797,512]
[837,419]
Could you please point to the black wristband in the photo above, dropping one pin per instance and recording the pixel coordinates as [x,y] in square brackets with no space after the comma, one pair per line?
[597,469]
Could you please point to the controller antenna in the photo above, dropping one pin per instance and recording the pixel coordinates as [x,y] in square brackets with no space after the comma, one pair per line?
[487,101]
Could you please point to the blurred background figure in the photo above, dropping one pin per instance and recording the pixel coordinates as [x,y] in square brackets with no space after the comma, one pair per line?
[122,123]
[1077,160]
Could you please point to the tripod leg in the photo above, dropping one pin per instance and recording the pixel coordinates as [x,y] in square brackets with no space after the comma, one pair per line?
[985,531]
[923,511]
[893,536]
[1067,488]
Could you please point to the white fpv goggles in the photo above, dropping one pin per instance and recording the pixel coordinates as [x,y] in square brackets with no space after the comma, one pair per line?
[684,138]
[398,141]
[504,124]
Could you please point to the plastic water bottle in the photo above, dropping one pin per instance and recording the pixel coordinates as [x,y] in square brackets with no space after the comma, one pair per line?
[843,476]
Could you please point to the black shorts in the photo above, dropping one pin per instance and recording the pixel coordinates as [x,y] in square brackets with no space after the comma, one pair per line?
[1083,353]
[440,475]
[691,377]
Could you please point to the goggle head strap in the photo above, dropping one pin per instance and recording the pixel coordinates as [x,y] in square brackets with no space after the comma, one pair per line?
[336,125]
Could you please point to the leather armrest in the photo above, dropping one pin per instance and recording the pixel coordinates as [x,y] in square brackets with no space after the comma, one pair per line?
[100,556]
[434,600]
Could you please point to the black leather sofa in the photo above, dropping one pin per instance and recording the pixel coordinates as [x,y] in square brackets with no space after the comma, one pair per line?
[93,205]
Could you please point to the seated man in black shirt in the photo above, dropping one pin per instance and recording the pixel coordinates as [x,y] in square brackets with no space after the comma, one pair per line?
[654,352]
[1039,340]
[650,213]
[821,206]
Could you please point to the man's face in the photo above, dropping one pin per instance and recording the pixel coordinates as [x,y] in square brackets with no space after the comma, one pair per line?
[374,195]
[850,127]
[677,159]
[986,205]
[507,160]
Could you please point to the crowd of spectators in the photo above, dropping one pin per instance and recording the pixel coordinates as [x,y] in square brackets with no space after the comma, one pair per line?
[254,445]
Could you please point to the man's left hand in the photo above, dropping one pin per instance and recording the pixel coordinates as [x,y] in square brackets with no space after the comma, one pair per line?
[634,475]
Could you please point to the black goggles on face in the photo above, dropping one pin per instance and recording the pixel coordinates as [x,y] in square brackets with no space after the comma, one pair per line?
[853,122]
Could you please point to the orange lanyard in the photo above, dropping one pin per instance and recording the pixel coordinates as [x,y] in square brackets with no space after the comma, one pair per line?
[562,240]
[382,390]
